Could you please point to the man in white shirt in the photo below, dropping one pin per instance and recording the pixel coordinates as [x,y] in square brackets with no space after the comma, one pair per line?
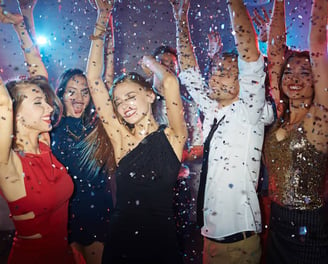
[236,92]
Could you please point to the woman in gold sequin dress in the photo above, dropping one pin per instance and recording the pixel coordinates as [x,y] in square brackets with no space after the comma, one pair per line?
[296,147]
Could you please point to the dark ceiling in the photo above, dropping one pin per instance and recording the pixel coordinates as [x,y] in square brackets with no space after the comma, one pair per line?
[140,26]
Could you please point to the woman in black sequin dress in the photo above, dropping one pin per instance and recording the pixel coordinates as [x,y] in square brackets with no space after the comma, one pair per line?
[148,156]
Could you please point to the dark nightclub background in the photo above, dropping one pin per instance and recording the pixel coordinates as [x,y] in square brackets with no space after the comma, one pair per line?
[140,26]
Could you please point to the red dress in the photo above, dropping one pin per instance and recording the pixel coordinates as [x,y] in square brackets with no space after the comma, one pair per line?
[48,189]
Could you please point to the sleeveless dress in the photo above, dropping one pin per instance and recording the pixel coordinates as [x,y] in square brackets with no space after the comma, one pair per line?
[48,188]
[91,202]
[142,226]
[299,219]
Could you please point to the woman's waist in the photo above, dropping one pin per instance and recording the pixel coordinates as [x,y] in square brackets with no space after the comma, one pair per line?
[139,212]
[300,222]
[142,216]
[41,242]
[299,201]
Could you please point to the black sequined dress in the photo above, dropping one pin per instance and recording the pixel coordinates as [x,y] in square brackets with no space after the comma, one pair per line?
[91,202]
[142,226]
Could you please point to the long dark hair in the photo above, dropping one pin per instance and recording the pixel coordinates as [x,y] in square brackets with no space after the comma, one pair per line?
[88,115]
[96,148]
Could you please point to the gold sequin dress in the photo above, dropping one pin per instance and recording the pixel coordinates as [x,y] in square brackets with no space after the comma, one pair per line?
[298,231]
[296,170]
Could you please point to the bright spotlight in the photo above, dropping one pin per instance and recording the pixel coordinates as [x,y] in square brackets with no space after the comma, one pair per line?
[42,40]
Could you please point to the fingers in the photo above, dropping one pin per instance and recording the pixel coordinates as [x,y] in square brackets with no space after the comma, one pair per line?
[215,37]
[259,17]
[266,15]
[256,21]
[175,5]
[26,4]
[144,63]
[180,6]
[212,36]
[9,18]
[214,43]
[93,4]
[4,16]
[102,4]
[185,6]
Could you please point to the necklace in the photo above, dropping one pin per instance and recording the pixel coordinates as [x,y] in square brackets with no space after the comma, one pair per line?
[76,137]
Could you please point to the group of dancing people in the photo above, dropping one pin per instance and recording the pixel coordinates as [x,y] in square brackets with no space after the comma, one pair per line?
[89,170]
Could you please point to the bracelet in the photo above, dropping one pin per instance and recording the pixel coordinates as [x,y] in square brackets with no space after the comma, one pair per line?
[109,52]
[27,50]
[100,36]
[102,33]
[100,27]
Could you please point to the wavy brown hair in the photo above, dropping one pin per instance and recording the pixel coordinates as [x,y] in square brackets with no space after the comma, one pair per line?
[14,88]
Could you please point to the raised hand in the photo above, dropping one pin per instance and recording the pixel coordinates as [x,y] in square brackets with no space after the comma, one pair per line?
[144,63]
[26,4]
[180,8]
[262,24]
[214,44]
[9,18]
[102,5]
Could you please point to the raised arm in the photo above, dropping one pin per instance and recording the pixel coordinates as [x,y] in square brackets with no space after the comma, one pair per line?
[318,51]
[32,56]
[6,124]
[262,24]
[109,40]
[109,54]
[276,48]
[171,93]
[244,33]
[26,9]
[186,55]
[95,65]
[318,55]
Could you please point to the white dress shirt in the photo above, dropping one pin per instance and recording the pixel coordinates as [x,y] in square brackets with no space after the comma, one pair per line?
[231,204]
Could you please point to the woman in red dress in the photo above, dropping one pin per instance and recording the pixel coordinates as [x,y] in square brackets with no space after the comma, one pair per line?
[32,181]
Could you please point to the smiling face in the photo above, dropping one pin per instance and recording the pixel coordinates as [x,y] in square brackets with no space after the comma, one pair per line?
[223,82]
[297,78]
[76,97]
[34,112]
[132,102]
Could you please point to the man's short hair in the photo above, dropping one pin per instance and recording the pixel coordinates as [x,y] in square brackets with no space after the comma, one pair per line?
[165,49]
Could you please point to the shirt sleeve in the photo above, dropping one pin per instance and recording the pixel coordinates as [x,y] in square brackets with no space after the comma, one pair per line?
[252,90]
[193,81]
